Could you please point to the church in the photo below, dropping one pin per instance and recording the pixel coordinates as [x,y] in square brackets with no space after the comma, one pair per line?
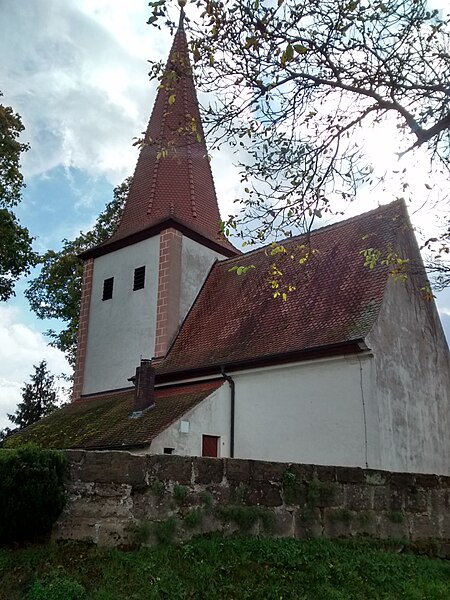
[183,348]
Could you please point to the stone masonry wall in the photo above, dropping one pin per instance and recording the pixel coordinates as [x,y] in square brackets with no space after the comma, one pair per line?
[116,498]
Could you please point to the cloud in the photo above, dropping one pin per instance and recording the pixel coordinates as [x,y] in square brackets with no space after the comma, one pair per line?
[80,81]
[82,94]
[81,84]
[21,348]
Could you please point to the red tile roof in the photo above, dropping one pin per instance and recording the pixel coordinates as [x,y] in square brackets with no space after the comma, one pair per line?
[337,299]
[178,185]
[104,422]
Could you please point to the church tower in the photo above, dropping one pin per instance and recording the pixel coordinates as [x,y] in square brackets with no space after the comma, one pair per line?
[139,285]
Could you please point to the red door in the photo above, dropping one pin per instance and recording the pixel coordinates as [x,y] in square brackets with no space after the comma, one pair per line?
[210,446]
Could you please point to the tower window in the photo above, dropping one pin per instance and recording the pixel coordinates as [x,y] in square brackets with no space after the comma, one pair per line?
[139,278]
[108,285]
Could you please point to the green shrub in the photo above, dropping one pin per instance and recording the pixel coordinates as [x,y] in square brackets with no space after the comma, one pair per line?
[56,587]
[396,516]
[31,492]
[157,488]
[289,480]
[140,532]
[245,517]
[179,494]
[240,493]
[165,531]
[344,515]
[193,518]
[207,499]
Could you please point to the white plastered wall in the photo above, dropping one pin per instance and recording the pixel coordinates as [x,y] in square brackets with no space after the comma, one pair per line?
[121,330]
[412,382]
[210,417]
[311,412]
[196,262]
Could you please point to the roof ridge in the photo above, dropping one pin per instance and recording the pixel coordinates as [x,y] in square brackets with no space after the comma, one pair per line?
[337,224]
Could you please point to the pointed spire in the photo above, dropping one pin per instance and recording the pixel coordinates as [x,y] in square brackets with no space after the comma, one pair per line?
[181,21]
[173,176]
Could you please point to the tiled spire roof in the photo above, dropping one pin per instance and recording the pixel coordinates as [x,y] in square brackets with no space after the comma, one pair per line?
[173,176]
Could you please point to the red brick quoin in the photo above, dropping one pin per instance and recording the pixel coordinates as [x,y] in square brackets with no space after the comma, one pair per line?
[169,279]
[86,291]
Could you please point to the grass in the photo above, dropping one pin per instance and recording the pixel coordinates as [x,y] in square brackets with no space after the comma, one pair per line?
[223,568]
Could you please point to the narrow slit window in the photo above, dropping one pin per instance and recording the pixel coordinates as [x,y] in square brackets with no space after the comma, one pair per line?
[108,285]
[168,450]
[139,278]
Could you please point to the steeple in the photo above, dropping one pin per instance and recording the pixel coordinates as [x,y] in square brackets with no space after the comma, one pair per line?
[173,178]
[139,285]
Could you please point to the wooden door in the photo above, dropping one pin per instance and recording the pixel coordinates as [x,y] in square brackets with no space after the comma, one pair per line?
[210,446]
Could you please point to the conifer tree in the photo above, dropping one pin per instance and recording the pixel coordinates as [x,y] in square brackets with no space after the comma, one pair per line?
[39,398]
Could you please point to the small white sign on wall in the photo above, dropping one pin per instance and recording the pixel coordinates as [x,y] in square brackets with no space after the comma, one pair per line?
[184,427]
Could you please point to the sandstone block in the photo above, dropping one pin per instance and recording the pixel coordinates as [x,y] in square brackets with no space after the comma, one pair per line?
[113,467]
[359,497]
[284,524]
[208,470]
[392,525]
[307,524]
[237,470]
[381,498]
[177,469]
[265,494]
[416,500]
[402,480]
[350,475]
[268,471]
[324,473]
[424,527]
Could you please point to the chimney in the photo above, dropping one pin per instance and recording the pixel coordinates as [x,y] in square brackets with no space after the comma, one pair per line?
[144,387]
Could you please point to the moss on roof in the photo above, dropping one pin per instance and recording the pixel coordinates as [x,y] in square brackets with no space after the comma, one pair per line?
[105,422]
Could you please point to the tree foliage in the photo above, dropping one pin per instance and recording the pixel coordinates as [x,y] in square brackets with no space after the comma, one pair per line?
[56,292]
[16,254]
[297,81]
[39,398]
[31,492]
[11,179]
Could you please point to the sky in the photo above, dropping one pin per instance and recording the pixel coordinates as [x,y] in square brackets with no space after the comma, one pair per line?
[77,73]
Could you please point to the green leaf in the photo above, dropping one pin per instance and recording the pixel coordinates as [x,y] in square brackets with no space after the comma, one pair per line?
[241,270]
[289,52]
[300,49]
[196,54]
[251,42]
